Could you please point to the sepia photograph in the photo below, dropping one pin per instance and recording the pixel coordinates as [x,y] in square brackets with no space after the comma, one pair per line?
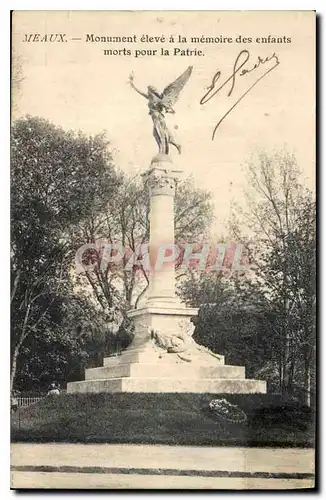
[163,250]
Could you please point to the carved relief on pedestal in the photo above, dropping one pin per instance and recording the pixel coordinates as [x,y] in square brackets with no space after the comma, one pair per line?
[181,343]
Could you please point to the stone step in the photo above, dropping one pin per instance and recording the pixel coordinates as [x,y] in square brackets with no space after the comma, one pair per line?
[218,386]
[146,356]
[174,371]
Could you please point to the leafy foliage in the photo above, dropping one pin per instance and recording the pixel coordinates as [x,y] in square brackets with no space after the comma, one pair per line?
[58,180]
[266,319]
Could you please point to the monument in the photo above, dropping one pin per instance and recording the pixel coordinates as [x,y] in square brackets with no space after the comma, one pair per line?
[163,356]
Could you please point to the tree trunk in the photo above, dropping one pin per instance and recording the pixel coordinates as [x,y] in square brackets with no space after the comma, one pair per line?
[140,296]
[14,288]
[291,377]
[306,381]
[14,367]
[17,348]
[286,371]
[280,369]
[286,337]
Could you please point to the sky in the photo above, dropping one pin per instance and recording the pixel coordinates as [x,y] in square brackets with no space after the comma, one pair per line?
[76,86]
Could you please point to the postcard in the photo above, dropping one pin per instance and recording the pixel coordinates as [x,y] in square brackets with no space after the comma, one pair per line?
[163,250]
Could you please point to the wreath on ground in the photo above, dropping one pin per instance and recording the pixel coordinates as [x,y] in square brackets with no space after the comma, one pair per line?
[224,409]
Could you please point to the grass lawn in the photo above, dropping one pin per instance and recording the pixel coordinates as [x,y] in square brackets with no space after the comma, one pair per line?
[174,419]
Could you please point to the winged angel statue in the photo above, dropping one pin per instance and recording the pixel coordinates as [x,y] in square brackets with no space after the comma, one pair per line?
[161,103]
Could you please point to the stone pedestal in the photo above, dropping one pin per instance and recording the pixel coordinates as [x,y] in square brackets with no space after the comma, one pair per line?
[163,357]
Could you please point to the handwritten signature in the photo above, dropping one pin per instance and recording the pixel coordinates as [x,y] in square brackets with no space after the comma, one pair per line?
[242,59]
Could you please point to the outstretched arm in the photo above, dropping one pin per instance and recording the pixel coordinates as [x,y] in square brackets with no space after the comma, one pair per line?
[131,81]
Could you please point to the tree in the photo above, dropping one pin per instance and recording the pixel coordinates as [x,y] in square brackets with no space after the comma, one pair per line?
[126,221]
[265,318]
[298,257]
[58,180]
[231,320]
[281,222]
[74,336]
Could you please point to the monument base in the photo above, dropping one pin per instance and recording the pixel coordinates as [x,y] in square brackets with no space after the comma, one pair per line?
[153,370]
[169,386]
[163,357]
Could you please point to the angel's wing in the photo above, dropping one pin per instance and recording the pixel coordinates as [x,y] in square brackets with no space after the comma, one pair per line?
[171,93]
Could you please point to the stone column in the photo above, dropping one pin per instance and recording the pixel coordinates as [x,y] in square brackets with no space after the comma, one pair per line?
[163,311]
[161,182]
